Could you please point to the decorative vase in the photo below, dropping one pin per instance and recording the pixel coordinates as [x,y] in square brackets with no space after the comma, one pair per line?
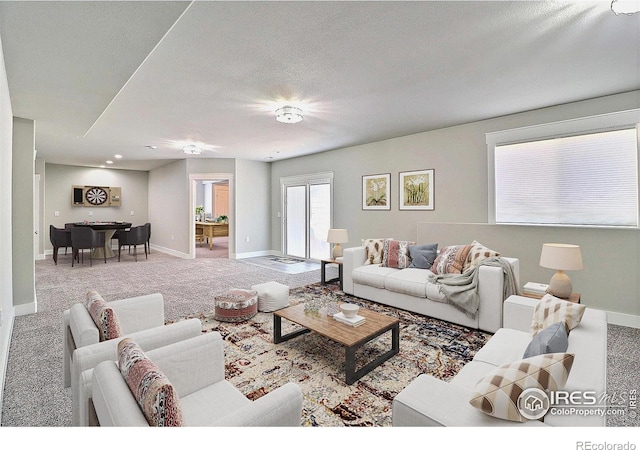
[332,307]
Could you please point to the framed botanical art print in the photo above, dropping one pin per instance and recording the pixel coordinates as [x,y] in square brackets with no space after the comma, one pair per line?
[376,192]
[416,190]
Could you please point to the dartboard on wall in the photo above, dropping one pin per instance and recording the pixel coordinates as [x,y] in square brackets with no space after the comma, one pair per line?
[96,195]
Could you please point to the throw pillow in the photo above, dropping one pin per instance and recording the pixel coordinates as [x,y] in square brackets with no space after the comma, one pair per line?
[497,393]
[155,395]
[553,339]
[103,316]
[396,253]
[373,250]
[451,259]
[423,256]
[551,309]
[477,254]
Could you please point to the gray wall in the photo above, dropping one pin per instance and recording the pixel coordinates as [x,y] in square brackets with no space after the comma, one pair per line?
[22,215]
[459,157]
[252,208]
[609,280]
[169,208]
[58,183]
[6,262]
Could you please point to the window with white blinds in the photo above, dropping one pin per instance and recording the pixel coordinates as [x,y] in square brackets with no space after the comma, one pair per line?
[554,174]
[590,179]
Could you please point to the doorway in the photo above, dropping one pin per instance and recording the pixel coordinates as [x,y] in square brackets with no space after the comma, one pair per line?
[211,217]
[308,214]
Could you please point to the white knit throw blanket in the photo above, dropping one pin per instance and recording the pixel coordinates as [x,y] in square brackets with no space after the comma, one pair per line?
[461,290]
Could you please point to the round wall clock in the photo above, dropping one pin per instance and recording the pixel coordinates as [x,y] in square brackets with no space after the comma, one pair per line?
[96,195]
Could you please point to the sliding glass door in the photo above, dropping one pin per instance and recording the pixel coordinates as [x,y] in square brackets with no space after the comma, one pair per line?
[307,215]
[296,221]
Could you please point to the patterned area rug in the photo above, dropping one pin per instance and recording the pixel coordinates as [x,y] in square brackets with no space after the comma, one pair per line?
[256,366]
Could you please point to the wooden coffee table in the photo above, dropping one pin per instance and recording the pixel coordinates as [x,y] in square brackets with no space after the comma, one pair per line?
[352,338]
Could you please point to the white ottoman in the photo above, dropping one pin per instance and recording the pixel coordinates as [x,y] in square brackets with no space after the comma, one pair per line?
[271,296]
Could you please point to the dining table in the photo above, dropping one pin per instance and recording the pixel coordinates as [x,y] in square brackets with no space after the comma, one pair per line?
[109,229]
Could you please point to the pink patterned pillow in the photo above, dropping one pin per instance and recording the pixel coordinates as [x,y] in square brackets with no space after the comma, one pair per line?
[451,259]
[103,316]
[396,254]
[154,393]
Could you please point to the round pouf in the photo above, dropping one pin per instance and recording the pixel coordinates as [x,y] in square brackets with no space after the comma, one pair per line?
[236,305]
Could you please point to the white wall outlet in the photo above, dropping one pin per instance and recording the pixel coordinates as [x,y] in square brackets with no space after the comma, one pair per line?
[56,213]
[279,214]
[172,237]
[91,213]
[132,213]
[246,239]
[0,317]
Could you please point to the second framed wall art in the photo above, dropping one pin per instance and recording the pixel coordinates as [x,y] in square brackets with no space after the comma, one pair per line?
[416,190]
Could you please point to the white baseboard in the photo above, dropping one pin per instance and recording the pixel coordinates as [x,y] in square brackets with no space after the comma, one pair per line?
[256,254]
[622,319]
[170,251]
[27,308]
[6,331]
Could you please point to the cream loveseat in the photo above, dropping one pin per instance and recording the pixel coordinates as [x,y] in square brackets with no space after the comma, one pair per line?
[429,401]
[415,289]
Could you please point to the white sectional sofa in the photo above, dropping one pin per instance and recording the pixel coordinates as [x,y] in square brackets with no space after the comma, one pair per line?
[429,401]
[414,290]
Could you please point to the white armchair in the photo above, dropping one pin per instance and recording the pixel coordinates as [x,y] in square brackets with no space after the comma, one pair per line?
[140,317]
[134,314]
[195,368]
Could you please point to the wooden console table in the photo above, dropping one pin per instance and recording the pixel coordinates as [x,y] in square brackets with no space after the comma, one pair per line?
[210,230]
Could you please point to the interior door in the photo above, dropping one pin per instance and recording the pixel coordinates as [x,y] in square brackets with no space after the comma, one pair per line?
[220,200]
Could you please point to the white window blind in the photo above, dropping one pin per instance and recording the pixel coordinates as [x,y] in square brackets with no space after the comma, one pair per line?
[589,179]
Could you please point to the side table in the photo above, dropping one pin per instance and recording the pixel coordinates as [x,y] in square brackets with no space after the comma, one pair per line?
[573,298]
[323,264]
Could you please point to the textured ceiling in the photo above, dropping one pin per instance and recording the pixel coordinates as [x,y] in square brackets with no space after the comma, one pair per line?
[101,78]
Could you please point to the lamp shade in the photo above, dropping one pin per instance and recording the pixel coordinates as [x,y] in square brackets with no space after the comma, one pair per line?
[338,236]
[561,257]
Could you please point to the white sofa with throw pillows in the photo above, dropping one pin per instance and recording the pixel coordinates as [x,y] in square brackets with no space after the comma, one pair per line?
[464,284]
[548,345]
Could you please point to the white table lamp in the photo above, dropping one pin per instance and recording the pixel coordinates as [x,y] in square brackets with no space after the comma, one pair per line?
[337,236]
[561,257]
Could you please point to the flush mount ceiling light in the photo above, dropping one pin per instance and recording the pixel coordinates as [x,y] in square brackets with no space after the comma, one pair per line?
[288,114]
[627,7]
[191,149]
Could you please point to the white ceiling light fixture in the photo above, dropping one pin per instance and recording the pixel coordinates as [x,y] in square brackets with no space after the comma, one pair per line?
[191,149]
[289,114]
[627,7]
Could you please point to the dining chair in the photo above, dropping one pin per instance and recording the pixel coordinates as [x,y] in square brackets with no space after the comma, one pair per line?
[147,244]
[59,238]
[86,238]
[134,236]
